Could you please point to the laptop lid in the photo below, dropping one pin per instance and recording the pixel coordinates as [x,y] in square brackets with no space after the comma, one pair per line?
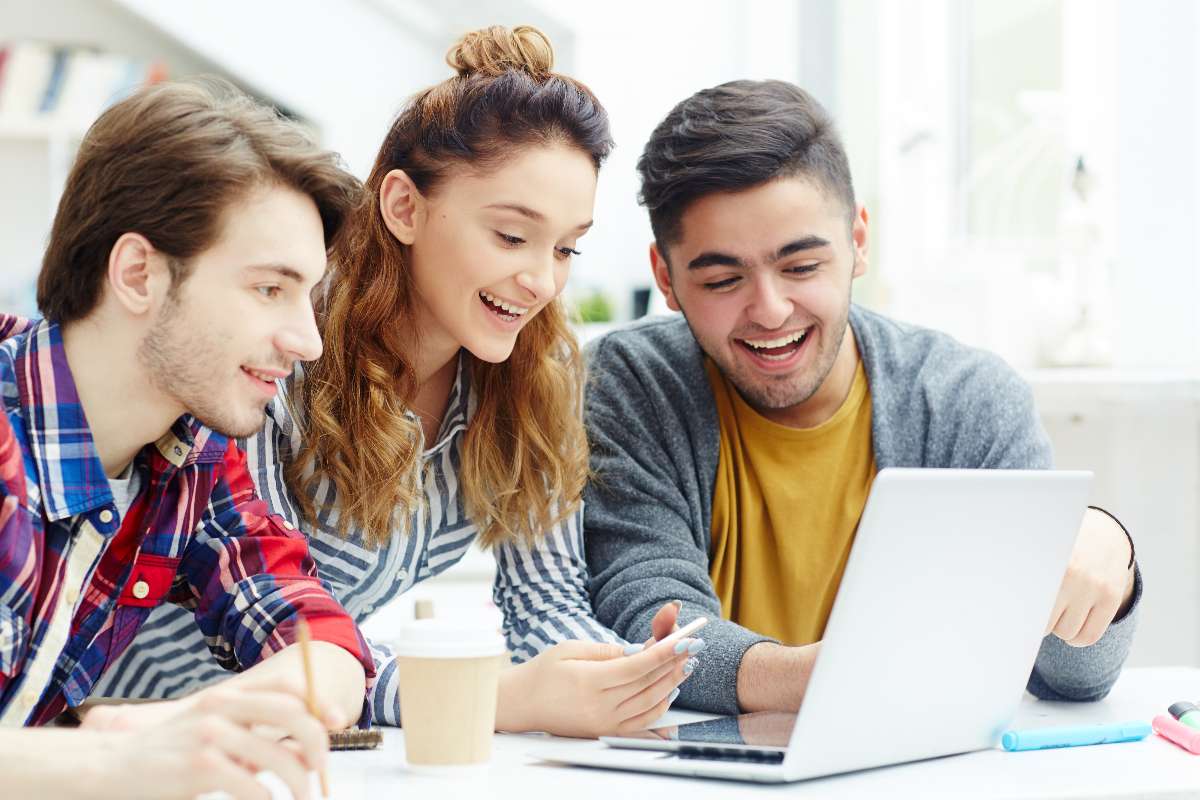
[939,616]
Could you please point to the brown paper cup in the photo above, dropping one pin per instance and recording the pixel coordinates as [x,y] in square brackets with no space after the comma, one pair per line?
[448,681]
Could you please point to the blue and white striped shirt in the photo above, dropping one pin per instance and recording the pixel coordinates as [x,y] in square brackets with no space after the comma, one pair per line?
[541,590]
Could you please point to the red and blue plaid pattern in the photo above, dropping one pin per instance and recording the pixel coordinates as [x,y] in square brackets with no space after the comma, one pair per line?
[196,535]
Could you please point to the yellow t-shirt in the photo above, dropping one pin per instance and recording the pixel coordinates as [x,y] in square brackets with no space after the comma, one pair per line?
[785,509]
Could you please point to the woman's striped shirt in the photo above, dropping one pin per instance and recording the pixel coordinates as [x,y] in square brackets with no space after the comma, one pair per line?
[541,590]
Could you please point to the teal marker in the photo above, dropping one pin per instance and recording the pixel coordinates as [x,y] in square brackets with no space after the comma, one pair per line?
[1075,736]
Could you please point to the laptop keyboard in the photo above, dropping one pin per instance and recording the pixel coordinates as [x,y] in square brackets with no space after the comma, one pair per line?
[717,753]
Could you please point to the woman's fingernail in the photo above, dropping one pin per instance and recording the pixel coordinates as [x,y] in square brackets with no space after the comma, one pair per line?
[674,694]
[689,667]
[696,646]
[633,649]
[678,604]
[681,646]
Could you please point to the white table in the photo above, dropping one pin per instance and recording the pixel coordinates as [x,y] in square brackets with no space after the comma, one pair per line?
[1150,768]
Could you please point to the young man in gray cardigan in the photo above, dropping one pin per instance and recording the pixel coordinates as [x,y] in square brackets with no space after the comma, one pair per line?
[733,446]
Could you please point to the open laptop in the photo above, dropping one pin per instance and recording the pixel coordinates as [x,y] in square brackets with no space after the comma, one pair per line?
[929,645]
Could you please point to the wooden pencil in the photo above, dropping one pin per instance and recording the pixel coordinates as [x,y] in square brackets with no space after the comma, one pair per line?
[310,694]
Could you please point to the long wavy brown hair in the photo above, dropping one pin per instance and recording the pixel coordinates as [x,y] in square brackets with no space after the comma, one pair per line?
[524,456]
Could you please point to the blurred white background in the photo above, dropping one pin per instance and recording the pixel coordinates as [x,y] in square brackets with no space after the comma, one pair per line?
[1031,168]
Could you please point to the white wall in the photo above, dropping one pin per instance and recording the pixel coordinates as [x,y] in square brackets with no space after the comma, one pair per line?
[641,59]
[33,166]
[348,72]
[1158,162]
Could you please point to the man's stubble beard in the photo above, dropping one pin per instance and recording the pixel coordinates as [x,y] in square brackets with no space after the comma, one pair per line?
[780,395]
[180,366]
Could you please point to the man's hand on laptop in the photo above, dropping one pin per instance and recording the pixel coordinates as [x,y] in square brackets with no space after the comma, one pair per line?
[1098,585]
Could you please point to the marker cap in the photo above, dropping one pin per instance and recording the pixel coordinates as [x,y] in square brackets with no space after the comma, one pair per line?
[1179,709]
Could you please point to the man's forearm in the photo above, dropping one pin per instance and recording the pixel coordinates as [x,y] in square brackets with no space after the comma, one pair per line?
[773,677]
[341,682]
[40,762]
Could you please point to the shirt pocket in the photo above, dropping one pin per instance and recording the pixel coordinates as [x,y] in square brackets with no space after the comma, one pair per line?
[14,639]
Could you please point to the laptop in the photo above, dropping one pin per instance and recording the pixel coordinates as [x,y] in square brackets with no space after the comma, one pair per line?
[929,645]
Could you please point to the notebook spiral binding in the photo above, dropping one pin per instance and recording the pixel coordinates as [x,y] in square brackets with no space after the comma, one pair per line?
[356,739]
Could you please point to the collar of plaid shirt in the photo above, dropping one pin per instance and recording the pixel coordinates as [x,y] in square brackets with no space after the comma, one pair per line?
[71,480]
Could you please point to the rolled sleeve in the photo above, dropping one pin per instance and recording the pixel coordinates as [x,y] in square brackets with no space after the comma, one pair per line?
[251,579]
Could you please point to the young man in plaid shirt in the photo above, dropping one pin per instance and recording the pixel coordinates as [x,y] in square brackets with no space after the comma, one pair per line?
[175,289]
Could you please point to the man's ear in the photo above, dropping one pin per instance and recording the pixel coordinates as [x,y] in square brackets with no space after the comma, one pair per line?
[662,276]
[401,204]
[860,237]
[138,276]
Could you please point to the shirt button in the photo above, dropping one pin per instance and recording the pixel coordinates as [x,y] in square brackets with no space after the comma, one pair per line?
[402,575]
[106,516]
[288,526]
[72,594]
[178,450]
[141,589]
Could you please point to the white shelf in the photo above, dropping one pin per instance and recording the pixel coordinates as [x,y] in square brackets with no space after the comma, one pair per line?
[38,128]
[1057,389]
[1112,376]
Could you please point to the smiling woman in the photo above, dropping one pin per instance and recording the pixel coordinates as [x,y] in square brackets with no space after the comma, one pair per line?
[489,252]
[446,407]
[481,183]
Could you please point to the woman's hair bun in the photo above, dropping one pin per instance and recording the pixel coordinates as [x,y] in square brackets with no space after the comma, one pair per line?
[492,50]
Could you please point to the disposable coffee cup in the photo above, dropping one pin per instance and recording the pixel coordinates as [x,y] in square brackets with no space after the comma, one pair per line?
[448,676]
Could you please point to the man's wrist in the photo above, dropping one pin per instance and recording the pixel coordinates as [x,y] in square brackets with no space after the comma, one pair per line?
[772,677]
[95,770]
[349,677]
[1127,598]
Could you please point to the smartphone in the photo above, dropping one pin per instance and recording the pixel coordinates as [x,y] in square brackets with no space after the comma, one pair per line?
[684,632]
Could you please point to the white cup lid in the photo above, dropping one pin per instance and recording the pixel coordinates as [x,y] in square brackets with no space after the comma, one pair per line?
[435,638]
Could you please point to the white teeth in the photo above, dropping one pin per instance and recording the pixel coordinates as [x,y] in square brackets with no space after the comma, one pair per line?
[261,376]
[516,311]
[763,344]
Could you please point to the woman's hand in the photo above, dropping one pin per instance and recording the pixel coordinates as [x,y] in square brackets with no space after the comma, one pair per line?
[587,689]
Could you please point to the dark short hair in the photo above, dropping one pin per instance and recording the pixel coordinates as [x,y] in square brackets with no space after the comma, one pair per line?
[737,136]
[166,163]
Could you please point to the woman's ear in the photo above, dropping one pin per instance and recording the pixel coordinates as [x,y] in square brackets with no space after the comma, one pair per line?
[402,205]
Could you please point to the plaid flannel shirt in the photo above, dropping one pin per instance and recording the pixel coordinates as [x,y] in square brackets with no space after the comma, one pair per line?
[77,580]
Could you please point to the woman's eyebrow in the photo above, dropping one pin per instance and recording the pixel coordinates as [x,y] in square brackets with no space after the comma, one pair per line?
[532,214]
[524,211]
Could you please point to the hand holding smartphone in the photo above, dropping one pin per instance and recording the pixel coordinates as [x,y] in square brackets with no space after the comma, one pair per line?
[681,633]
